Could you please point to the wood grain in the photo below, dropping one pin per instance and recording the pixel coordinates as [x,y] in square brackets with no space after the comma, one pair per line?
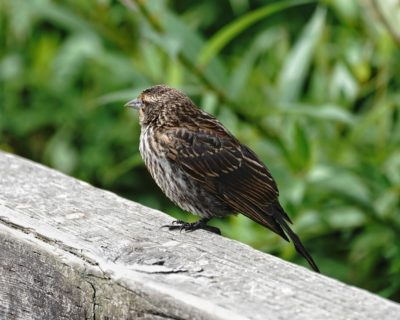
[69,250]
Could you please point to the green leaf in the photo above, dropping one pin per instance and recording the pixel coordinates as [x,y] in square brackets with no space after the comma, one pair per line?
[345,217]
[343,182]
[242,72]
[343,86]
[232,30]
[324,112]
[297,63]
[303,148]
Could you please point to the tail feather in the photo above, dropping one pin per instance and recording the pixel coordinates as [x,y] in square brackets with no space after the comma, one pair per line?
[280,218]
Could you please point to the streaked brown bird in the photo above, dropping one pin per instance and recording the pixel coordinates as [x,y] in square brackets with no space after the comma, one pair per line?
[203,168]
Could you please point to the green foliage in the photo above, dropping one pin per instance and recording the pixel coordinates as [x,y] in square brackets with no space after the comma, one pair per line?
[312,87]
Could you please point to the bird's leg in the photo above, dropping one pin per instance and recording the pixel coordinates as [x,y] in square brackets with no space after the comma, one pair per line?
[189,227]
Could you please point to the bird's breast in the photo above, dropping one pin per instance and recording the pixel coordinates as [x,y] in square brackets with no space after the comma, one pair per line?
[174,182]
[168,176]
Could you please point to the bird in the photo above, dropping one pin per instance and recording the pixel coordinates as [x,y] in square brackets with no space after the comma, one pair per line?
[203,168]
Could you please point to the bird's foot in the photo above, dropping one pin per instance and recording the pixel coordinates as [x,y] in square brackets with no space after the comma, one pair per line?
[189,227]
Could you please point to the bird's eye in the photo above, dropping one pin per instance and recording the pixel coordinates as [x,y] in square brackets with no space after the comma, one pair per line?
[147,99]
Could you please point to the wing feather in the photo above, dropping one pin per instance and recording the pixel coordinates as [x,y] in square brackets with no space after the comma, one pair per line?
[229,170]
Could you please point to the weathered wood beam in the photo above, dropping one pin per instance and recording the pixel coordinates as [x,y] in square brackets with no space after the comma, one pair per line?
[72,251]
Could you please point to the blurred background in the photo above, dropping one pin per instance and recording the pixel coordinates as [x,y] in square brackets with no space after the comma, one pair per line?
[311,86]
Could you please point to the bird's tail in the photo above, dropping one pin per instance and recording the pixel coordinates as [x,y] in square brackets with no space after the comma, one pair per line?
[280,217]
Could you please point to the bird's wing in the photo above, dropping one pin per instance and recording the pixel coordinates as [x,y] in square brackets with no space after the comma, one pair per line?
[227,169]
[203,155]
[234,174]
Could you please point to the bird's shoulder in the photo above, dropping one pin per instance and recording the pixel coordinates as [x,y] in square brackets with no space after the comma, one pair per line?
[203,152]
[197,134]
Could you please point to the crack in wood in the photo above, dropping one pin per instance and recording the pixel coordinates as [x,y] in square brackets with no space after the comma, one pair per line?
[94,303]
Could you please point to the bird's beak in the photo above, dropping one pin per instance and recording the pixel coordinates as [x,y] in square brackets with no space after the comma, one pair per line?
[135,104]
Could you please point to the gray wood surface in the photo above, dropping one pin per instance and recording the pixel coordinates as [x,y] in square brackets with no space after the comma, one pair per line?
[71,251]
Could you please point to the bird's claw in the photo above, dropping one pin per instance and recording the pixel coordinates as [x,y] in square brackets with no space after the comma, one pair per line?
[190,226]
[181,225]
[179,222]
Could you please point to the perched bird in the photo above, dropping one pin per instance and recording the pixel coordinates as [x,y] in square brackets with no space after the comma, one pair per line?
[203,168]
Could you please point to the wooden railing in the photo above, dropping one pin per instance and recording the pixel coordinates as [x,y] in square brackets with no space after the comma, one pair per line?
[71,251]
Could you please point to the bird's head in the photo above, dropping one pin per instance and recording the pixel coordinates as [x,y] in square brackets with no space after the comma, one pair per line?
[156,101]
